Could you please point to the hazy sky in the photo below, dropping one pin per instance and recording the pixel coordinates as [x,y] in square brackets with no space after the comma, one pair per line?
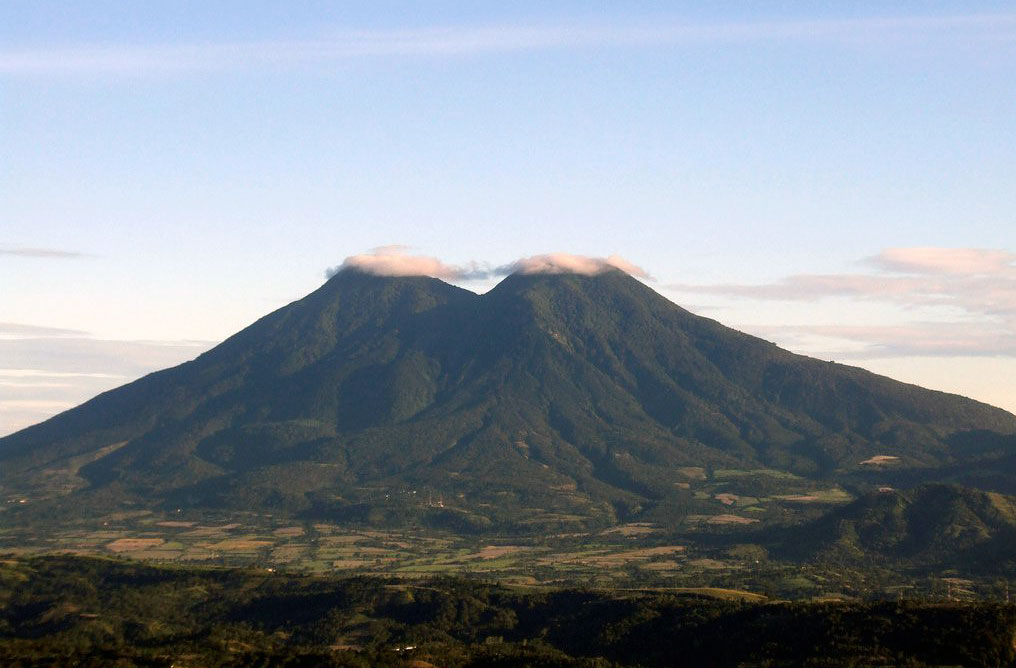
[837,177]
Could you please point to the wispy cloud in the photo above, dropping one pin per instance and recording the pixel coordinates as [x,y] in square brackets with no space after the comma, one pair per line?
[979,281]
[955,261]
[978,284]
[914,339]
[77,356]
[20,413]
[972,29]
[53,371]
[19,330]
[39,252]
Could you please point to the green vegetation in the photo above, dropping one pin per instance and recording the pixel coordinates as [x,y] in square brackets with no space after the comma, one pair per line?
[880,545]
[932,528]
[644,484]
[99,612]
[552,403]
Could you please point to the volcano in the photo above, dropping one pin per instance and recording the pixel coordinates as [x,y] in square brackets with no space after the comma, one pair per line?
[568,397]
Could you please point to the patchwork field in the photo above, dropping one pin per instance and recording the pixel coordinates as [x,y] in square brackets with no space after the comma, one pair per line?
[662,552]
[635,552]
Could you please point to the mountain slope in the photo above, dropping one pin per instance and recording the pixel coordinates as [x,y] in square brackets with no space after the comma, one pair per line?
[574,397]
[934,525]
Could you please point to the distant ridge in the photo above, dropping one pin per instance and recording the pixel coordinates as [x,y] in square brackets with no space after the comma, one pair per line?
[933,525]
[581,397]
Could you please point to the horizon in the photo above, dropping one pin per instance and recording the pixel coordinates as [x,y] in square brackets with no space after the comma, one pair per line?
[836,180]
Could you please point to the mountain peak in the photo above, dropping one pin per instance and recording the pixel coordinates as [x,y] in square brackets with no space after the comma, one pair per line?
[608,277]
[581,394]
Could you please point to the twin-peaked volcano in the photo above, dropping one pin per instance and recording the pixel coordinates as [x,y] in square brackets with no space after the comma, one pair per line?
[580,397]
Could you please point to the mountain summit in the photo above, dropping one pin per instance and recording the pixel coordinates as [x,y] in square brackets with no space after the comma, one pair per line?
[578,398]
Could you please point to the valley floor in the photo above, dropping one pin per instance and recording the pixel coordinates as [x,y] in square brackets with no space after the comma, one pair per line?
[631,556]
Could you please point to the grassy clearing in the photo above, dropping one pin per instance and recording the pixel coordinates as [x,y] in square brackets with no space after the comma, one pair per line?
[240,545]
[722,594]
[834,495]
[288,532]
[133,544]
[722,519]
[496,551]
[880,460]
[634,529]
[723,474]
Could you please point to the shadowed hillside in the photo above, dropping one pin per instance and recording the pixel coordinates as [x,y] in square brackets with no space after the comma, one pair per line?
[935,525]
[581,397]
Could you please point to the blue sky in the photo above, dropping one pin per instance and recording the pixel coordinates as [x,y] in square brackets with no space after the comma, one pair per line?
[835,177]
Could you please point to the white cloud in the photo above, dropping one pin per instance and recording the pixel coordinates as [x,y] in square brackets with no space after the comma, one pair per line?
[981,30]
[395,261]
[958,261]
[565,263]
[974,289]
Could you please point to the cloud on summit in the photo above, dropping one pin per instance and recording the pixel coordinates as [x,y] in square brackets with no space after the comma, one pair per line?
[564,263]
[396,261]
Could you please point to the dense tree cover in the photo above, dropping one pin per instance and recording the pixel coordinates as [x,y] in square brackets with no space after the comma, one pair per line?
[94,612]
[579,397]
[551,405]
[926,529]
